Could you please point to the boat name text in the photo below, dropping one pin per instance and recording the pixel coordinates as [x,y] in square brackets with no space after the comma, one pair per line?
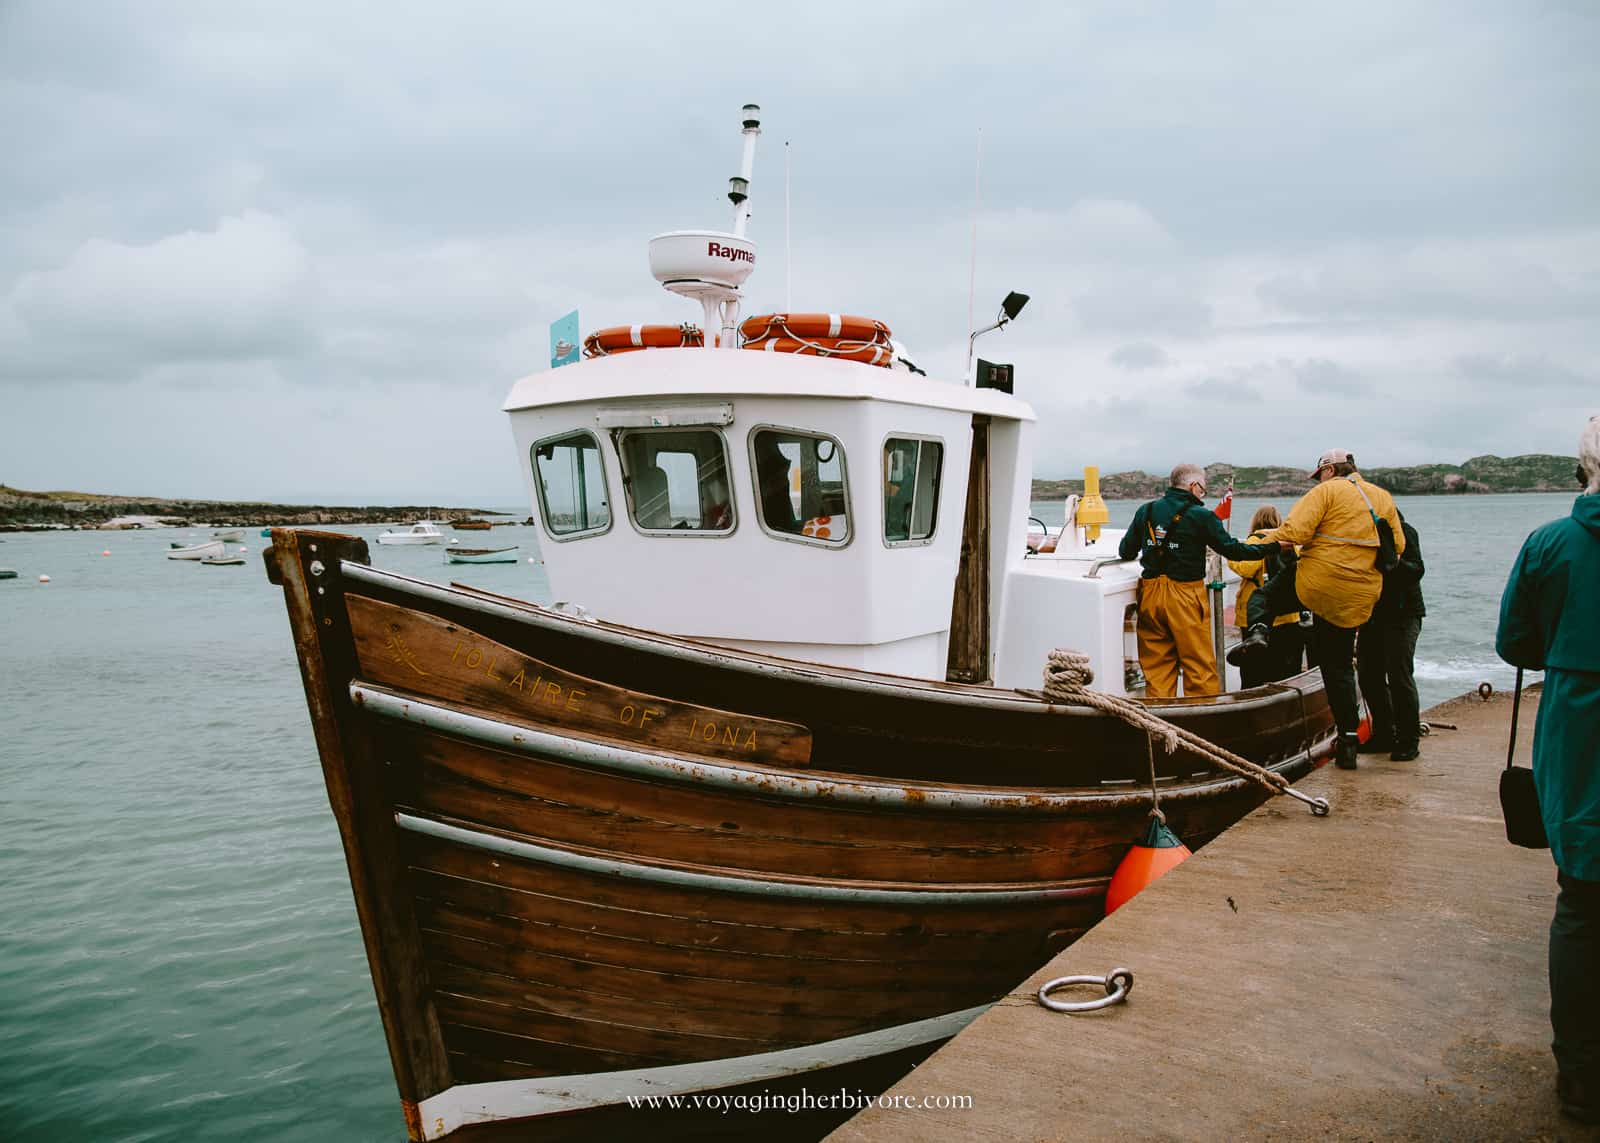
[632,711]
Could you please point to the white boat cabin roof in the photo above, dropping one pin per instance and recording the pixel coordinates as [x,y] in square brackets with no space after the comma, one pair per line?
[654,374]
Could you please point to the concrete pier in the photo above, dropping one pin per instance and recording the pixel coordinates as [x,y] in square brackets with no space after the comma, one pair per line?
[1380,973]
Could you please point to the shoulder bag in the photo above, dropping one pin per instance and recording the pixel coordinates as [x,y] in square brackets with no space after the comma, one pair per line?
[1388,557]
[1519,800]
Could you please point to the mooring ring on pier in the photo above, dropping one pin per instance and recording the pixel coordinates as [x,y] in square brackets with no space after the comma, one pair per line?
[1117,983]
[1485,691]
[1319,806]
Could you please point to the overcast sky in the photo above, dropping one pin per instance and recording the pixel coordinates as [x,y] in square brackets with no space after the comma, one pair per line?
[303,250]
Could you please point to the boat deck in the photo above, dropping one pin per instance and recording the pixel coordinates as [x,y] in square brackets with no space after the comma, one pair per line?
[1378,973]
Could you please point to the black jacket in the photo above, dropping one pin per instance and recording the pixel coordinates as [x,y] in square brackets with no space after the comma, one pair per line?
[1402,587]
[1179,552]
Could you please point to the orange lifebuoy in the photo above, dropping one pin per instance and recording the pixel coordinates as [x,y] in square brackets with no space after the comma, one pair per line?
[804,327]
[820,335]
[827,347]
[627,338]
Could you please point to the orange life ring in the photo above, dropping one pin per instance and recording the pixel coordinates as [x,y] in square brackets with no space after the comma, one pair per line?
[627,338]
[864,352]
[803,327]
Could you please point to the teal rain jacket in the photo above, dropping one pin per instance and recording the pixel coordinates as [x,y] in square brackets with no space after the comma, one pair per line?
[1550,620]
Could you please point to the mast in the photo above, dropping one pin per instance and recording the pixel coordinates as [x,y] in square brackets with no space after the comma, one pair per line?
[710,266]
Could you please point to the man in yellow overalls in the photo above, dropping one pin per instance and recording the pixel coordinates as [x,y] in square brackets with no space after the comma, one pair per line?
[1170,536]
[1337,580]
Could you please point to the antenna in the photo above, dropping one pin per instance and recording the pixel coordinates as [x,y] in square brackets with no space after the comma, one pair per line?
[972,278]
[788,249]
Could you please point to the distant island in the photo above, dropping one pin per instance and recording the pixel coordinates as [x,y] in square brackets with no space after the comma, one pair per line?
[1537,472]
[21,510]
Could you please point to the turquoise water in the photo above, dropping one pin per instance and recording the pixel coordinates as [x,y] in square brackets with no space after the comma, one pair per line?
[179,956]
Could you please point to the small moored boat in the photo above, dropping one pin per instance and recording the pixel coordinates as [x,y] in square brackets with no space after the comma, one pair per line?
[472,525]
[230,536]
[481,555]
[200,551]
[422,532]
[222,561]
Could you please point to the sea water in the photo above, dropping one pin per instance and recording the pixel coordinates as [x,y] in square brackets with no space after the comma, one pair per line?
[179,952]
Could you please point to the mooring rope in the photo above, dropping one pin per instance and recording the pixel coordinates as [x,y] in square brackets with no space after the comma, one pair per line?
[1067,675]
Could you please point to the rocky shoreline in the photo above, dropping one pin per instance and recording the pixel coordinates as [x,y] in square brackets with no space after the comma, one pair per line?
[24,511]
[1535,472]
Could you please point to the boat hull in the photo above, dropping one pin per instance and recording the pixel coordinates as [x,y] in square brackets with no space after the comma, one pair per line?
[211,549]
[481,555]
[588,853]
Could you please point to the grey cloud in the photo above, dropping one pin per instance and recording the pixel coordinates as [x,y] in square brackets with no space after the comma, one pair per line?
[1319,375]
[1526,369]
[1139,355]
[1130,306]
[1219,389]
[232,196]
[240,291]
[1461,283]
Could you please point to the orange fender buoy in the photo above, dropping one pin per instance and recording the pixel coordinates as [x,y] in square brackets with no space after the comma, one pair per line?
[1156,854]
[627,338]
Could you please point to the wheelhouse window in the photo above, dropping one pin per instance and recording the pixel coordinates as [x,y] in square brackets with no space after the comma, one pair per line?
[571,480]
[800,486]
[911,476]
[677,480]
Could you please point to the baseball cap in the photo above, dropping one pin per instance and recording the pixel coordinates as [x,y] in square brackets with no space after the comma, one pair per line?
[1331,456]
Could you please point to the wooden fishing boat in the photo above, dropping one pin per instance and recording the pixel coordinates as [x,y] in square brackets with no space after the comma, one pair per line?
[592,861]
[481,555]
[472,525]
[791,810]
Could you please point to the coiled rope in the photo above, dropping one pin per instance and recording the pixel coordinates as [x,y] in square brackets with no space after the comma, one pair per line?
[1067,675]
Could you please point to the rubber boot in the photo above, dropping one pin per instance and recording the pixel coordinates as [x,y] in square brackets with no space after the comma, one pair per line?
[1253,643]
[1344,753]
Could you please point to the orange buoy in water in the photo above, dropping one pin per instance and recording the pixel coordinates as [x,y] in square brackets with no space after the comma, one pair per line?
[1158,852]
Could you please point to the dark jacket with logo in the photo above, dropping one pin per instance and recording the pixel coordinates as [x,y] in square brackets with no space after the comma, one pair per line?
[1179,551]
[1402,587]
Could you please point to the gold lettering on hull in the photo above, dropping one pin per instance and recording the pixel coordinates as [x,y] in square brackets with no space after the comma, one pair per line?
[631,711]
[397,646]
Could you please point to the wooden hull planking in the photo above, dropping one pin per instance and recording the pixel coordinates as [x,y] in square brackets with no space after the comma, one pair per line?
[568,864]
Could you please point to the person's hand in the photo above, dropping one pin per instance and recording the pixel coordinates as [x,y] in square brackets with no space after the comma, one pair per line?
[1285,546]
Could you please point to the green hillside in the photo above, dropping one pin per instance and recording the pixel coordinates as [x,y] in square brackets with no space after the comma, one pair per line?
[1536,472]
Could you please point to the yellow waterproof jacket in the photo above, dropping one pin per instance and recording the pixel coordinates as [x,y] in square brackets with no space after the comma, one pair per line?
[1251,573]
[1338,547]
